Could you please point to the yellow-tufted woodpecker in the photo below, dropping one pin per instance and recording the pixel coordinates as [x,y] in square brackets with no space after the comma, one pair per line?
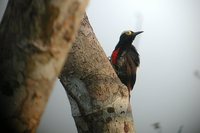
[125,59]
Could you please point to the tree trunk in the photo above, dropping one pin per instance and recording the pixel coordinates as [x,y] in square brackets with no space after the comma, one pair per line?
[35,36]
[99,101]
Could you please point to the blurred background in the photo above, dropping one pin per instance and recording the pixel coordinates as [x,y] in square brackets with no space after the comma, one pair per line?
[166,97]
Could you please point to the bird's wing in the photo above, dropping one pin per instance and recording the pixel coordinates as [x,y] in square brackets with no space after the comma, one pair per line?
[127,69]
[131,68]
[134,55]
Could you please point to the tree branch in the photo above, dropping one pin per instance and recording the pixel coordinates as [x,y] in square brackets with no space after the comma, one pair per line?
[99,101]
[35,37]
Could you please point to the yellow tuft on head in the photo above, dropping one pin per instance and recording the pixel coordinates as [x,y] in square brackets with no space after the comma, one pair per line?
[128,32]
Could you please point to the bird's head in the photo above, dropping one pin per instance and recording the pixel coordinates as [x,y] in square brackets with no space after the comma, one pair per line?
[127,37]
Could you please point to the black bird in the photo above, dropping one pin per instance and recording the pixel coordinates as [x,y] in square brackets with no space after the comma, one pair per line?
[125,59]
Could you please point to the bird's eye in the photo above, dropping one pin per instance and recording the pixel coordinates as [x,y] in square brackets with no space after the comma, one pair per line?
[128,33]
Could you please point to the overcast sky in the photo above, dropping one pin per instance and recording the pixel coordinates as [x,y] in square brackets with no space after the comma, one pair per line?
[167,89]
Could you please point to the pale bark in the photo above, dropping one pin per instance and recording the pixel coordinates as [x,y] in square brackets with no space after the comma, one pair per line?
[99,101]
[35,37]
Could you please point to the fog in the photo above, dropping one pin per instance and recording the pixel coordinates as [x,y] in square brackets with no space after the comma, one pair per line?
[168,80]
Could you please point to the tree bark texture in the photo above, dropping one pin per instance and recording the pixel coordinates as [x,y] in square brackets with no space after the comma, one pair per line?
[35,37]
[99,101]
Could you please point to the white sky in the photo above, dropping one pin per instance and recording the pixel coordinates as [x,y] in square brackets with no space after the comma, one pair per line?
[166,90]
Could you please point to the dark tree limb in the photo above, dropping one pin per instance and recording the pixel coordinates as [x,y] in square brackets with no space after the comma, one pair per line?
[35,37]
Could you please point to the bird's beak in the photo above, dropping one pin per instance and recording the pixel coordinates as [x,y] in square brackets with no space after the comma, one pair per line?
[136,33]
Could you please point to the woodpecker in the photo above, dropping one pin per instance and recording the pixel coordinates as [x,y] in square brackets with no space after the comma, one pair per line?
[125,59]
